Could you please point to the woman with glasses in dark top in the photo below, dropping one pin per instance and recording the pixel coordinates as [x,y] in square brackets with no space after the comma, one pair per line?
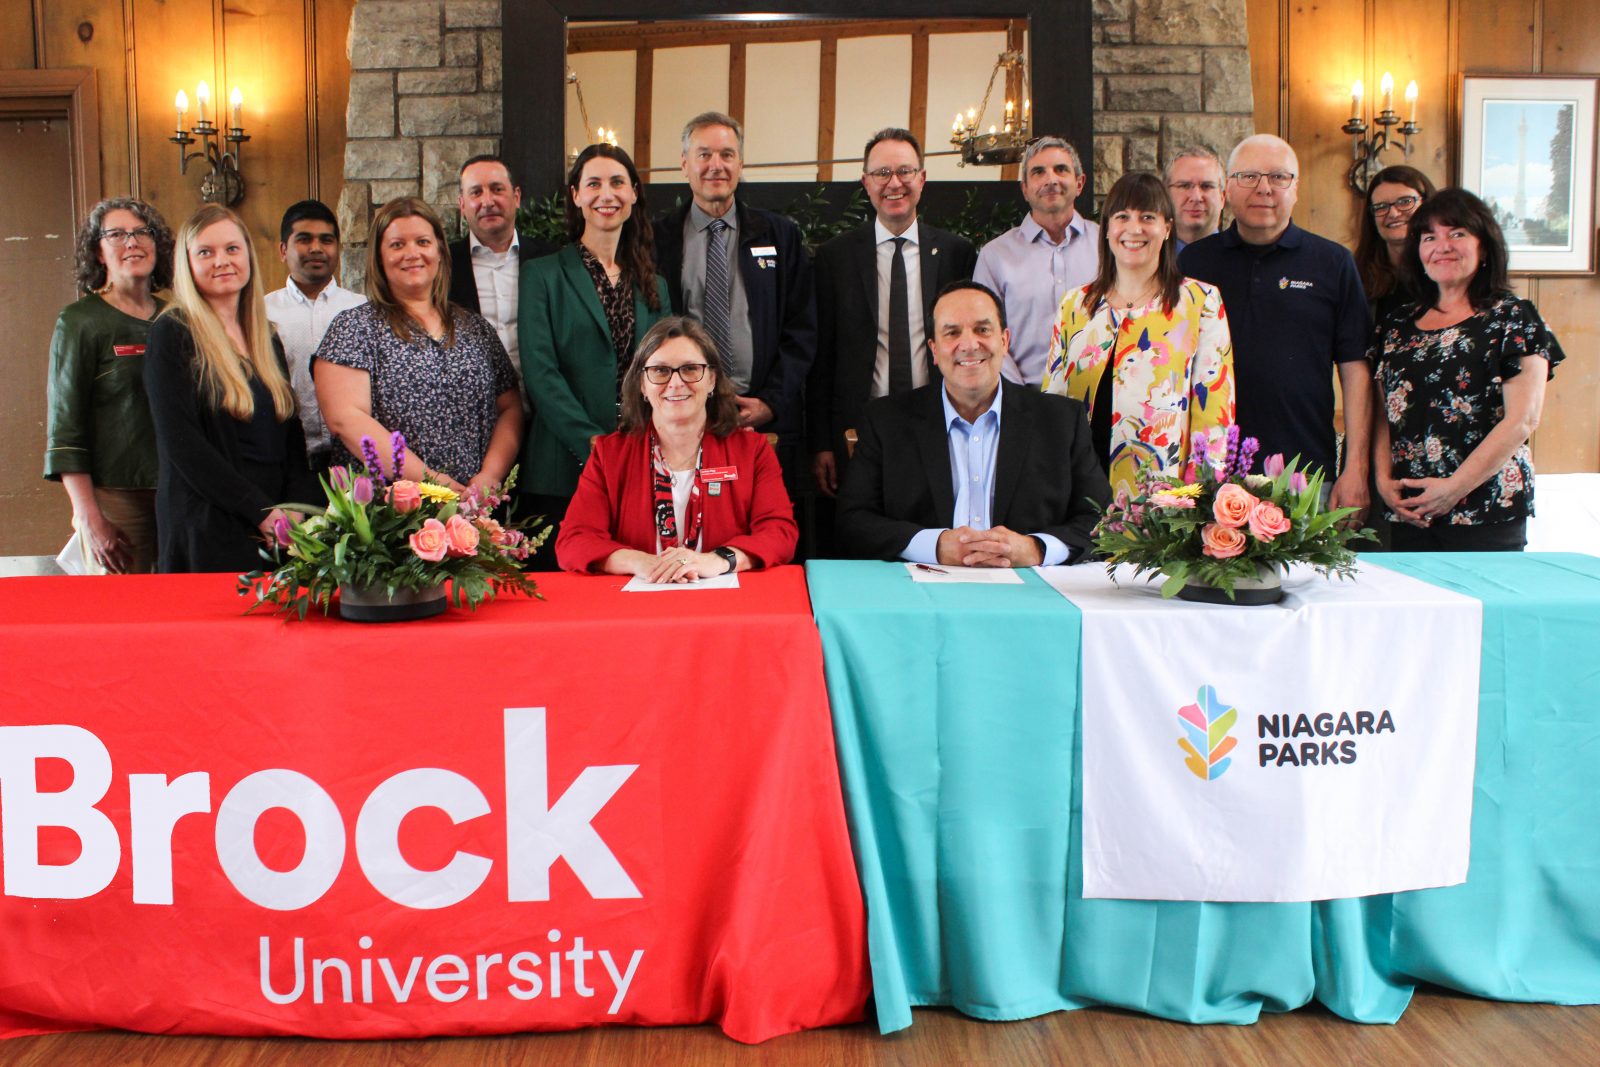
[679,492]
[1392,198]
[101,445]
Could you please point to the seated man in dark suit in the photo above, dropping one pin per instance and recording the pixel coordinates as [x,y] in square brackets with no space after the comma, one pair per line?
[972,471]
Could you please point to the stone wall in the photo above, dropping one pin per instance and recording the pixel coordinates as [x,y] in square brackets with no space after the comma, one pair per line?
[425,94]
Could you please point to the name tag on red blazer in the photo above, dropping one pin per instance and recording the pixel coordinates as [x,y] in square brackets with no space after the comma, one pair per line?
[719,474]
[128,350]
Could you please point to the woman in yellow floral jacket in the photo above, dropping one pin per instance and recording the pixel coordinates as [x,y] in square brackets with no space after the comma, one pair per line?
[1163,337]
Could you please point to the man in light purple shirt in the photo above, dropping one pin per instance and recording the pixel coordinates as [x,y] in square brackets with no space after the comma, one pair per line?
[1053,251]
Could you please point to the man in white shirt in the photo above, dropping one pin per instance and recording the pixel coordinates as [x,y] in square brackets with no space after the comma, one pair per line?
[308,244]
[486,265]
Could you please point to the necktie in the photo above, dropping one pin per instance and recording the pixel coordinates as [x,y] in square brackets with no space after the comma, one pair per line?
[718,295]
[899,321]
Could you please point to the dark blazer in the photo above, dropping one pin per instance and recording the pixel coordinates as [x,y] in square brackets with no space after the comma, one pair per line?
[778,288]
[1047,479]
[847,322]
[464,284]
[614,506]
[568,366]
[208,508]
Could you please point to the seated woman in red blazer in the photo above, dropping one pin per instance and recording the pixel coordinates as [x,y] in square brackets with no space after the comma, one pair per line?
[678,492]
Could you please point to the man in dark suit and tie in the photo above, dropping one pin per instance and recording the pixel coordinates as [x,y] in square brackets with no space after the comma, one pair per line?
[744,273]
[875,291]
[485,264]
[972,471]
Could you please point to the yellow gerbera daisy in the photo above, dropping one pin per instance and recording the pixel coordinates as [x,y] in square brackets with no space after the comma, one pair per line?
[436,492]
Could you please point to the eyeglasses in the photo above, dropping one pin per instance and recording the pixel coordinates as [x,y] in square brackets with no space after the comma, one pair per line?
[1185,188]
[1278,179]
[1404,203]
[883,174]
[661,374]
[117,237]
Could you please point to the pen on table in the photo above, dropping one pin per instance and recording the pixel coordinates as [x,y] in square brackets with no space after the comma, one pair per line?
[930,570]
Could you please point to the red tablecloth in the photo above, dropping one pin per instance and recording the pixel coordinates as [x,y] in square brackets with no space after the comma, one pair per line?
[494,817]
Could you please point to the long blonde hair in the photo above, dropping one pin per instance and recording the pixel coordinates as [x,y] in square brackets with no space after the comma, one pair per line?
[224,371]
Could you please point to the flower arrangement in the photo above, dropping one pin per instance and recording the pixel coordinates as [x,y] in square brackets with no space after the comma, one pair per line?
[1221,524]
[401,537]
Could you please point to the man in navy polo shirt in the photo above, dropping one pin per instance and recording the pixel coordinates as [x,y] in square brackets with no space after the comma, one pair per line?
[1296,312]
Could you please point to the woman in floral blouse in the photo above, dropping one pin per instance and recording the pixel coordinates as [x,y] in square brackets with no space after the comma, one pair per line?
[1146,349]
[1462,376]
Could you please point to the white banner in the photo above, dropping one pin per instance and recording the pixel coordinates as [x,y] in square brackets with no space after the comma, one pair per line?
[1322,747]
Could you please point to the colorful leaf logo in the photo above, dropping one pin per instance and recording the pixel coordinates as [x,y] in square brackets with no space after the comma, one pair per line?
[1206,724]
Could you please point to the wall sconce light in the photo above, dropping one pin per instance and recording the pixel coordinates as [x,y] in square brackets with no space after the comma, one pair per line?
[224,185]
[602,135]
[1367,152]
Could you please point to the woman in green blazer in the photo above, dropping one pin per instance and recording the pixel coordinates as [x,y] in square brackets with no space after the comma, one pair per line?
[578,315]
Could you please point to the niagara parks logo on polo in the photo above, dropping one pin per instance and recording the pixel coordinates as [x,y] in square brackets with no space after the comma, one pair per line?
[1206,743]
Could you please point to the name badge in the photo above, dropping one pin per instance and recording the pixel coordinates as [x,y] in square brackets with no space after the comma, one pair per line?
[712,475]
[763,250]
[128,350]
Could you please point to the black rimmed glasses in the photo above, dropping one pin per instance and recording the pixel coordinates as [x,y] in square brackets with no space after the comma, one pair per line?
[1278,179]
[1403,203]
[661,374]
[117,237]
[883,174]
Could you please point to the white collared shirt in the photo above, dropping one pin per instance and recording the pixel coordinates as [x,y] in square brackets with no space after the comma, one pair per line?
[300,323]
[919,347]
[496,275]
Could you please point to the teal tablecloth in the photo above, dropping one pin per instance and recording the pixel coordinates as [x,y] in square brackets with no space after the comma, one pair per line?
[956,711]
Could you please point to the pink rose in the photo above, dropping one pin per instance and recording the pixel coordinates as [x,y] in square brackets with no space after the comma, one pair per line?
[1232,506]
[430,542]
[461,535]
[1267,521]
[404,497]
[1221,542]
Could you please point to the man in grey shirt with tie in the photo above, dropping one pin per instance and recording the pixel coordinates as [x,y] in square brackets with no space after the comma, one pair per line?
[744,273]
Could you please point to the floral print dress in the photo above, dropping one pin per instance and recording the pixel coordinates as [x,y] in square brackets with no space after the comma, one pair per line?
[1441,392]
[1172,374]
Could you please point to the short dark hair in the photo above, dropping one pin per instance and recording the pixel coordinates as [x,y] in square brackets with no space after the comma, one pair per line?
[307,211]
[488,157]
[722,407]
[891,133]
[967,283]
[1457,207]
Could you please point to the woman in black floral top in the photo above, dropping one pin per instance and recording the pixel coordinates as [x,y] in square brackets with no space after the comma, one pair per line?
[1461,375]
[411,361]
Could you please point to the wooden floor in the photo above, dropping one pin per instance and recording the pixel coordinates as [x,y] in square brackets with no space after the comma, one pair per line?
[1439,1029]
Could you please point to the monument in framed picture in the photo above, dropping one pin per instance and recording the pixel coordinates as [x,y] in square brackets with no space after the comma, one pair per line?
[1528,149]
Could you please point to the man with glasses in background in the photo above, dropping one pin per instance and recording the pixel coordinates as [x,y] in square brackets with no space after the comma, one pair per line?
[875,290]
[1297,313]
[1194,178]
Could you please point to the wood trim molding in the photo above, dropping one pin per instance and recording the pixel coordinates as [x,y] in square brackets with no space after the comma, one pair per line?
[827,104]
[78,87]
[736,76]
[919,86]
[644,82]
[627,38]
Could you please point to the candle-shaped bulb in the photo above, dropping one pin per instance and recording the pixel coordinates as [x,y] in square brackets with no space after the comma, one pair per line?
[1026,104]
[235,102]
[1356,93]
[202,97]
[991,128]
[972,114]
[1411,101]
[182,104]
[1386,90]
[1009,107]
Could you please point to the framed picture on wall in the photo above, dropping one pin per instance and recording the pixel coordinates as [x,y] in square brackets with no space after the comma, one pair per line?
[1528,149]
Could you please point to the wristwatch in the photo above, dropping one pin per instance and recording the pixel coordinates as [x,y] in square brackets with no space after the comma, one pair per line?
[728,554]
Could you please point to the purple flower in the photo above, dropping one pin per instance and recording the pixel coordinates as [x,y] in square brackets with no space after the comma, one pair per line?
[1247,454]
[362,492]
[397,444]
[369,453]
[340,477]
[280,529]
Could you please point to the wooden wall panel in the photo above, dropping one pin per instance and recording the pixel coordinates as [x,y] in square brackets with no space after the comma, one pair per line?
[1266,23]
[16,35]
[265,56]
[332,94]
[1325,54]
[176,48]
[1496,36]
[105,52]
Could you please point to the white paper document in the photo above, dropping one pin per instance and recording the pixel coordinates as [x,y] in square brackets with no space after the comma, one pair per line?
[637,584]
[943,575]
